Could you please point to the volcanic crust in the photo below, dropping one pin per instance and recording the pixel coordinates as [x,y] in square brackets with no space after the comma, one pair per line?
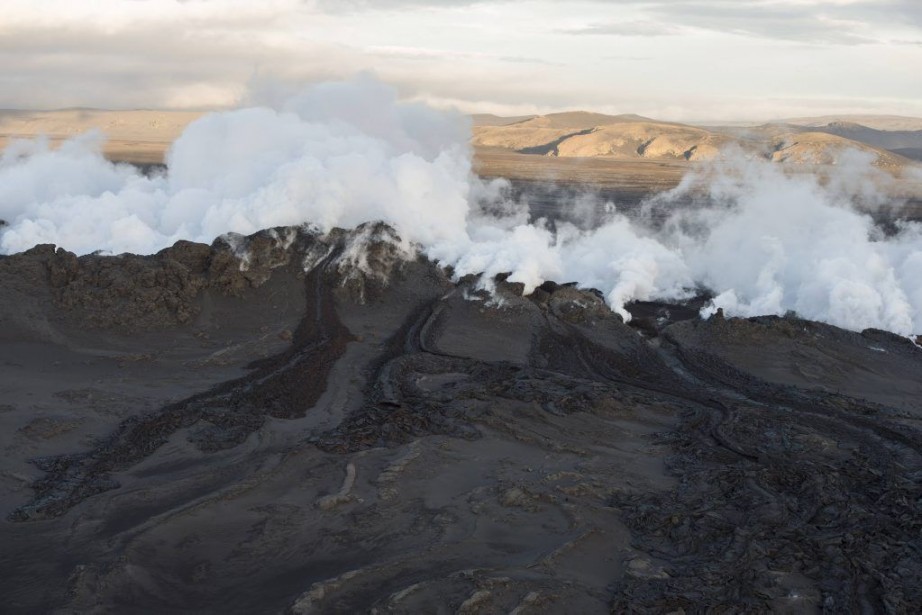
[297,422]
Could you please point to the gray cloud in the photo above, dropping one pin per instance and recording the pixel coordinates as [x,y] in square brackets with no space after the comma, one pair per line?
[628,58]
[438,55]
[820,22]
[346,6]
[628,28]
[177,58]
[793,23]
[902,12]
[145,67]
[787,19]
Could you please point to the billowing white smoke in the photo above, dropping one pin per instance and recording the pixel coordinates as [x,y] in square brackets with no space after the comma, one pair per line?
[338,155]
[346,153]
[785,243]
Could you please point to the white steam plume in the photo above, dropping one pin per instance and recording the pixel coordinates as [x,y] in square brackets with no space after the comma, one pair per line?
[338,155]
[346,153]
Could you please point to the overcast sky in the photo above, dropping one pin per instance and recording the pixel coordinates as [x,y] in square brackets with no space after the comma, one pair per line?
[671,59]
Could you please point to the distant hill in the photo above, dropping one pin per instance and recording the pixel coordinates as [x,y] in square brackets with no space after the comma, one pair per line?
[143,136]
[906,143]
[141,124]
[645,139]
[577,134]
[817,147]
[913,153]
[488,119]
[132,136]
[580,120]
[893,140]
[633,137]
[877,122]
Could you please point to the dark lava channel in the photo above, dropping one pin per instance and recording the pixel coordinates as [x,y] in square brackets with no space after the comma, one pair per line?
[323,427]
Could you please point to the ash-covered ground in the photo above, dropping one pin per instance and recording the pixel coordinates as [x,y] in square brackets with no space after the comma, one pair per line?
[324,427]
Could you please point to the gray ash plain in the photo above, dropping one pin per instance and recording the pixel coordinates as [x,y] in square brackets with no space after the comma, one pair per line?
[308,434]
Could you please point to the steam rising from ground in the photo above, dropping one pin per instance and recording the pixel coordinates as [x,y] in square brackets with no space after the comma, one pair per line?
[345,153]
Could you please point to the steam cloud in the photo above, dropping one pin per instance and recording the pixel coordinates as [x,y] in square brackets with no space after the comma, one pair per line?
[341,154]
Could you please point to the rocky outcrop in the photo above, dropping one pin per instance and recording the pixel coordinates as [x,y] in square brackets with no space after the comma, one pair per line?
[164,289]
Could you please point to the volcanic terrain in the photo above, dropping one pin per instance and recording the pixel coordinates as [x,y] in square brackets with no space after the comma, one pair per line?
[327,421]
[302,422]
